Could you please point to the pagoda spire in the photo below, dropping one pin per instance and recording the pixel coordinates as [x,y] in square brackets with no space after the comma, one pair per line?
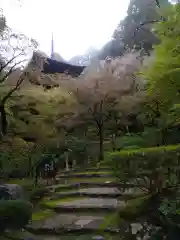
[52,47]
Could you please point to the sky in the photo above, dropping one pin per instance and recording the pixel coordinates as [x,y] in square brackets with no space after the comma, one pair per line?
[76,24]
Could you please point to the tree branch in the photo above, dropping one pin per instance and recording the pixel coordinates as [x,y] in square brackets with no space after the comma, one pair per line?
[20,80]
[10,61]
[11,70]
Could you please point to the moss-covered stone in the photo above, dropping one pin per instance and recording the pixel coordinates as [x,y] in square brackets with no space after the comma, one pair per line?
[110,221]
[94,179]
[53,203]
[42,214]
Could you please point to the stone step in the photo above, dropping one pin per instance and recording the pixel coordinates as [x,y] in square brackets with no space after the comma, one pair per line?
[90,192]
[103,192]
[73,186]
[91,195]
[74,236]
[98,169]
[71,223]
[86,205]
[88,180]
[77,231]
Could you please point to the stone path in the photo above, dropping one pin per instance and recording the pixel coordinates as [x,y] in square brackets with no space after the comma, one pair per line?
[91,202]
[108,190]
[71,220]
[70,237]
[74,215]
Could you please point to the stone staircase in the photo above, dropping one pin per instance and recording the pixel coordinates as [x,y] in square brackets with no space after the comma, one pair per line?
[79,205]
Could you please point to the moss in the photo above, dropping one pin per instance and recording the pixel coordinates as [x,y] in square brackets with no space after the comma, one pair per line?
[110,221]
[130,212]
[60,186]
[22,182]
[95,180]
[134,208]
[125,153]
[53,203]
[42,214]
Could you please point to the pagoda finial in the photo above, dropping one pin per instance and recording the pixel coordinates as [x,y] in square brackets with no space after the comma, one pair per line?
[52,47]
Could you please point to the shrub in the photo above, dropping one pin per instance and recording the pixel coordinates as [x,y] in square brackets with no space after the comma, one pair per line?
[135,208]
[155,168]
[14,214]
[16,174]
[37,194]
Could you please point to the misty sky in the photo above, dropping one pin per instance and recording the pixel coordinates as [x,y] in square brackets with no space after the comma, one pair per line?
[76,24]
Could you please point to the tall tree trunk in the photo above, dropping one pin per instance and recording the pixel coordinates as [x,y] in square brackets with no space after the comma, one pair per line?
[36,177]
[113,141]
[4,123]
[101,142]
[29,172]
[67,161]
[164,136]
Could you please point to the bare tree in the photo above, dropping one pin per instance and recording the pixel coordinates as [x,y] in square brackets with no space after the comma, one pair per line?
[114,86]
[14,53]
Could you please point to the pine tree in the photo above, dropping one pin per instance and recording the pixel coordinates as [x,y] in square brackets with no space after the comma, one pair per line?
[130,30]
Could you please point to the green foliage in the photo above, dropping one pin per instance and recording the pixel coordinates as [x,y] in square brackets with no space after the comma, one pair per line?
[14,214]
[110,221]
[163,75]
[135,209]
[146,152]
[37,194]
[42,214]
[78,147]
[154,168]
[129,141]
[139,11]
[17,158]
[135,141]
[44,126]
